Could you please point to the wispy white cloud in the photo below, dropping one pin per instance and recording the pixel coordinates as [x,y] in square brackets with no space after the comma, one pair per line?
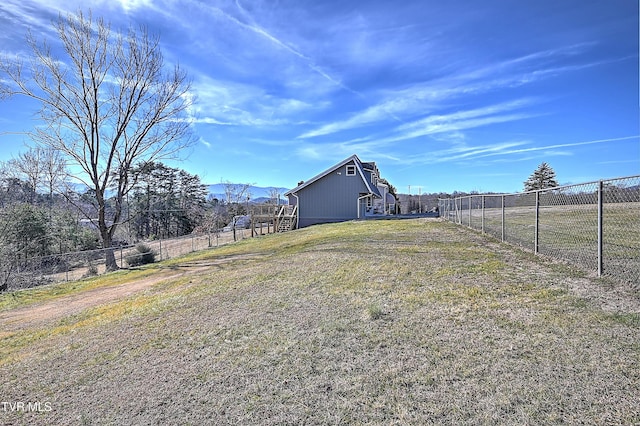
[452,124]
[205,142]
[252,26]
[130,5]
[23,15]
[39,13]
[434,95]
[461,120]
[236,104]
[628,161]
[569,145]
[373,114]
[461,153]
[507,151]
[391,146]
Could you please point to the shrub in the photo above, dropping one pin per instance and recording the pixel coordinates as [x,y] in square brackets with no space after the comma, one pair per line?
[141,256]
[92,271]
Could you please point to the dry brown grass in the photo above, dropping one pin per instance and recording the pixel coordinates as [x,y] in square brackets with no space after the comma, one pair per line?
[392,322]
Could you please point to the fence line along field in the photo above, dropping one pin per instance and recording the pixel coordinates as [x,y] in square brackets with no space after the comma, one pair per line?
[572,233]
[595,225]
[374,322]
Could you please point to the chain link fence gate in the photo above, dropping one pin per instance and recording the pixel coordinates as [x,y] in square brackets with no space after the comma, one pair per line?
[595,225]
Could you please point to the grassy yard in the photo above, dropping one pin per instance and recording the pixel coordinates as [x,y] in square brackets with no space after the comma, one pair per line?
[571,232]
[380,322]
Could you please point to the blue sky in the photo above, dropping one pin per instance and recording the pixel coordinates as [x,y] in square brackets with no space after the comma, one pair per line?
[442,95]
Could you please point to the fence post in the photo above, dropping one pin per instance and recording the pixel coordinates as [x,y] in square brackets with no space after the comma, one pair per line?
[537,227]
[455,206]
[454,210]
[462,218]
[600,229]
[503,224]
[470,200]
[482,224]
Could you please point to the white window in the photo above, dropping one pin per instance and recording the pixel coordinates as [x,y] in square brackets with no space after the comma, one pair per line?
[351,170]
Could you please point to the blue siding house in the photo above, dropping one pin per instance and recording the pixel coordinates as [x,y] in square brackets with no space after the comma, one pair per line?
[349,190]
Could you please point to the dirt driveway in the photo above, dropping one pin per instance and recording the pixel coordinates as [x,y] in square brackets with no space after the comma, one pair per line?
[56,309]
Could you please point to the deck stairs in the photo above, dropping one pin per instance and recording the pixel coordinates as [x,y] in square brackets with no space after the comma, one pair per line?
[286,219]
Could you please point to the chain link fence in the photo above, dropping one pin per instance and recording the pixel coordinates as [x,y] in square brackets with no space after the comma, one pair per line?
[595,225]
[26,273]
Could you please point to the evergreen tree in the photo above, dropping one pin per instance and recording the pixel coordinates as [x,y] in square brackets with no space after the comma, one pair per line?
[165,202]
[26,231]
[543,177]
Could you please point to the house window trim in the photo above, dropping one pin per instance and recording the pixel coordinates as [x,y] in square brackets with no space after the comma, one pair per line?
[351,170]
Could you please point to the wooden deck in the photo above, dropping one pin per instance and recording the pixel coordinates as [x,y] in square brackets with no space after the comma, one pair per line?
[269,219]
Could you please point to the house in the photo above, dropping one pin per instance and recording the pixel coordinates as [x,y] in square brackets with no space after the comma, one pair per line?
[351,189]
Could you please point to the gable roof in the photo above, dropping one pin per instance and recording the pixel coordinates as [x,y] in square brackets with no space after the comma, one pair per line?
[359,167]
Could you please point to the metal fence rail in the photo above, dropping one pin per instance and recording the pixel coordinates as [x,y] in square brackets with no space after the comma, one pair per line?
[595,225]
[27,273]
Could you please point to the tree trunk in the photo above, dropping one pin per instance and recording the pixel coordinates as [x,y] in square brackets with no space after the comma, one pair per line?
[109,253]
[110,257]
[110,260]
[6,276]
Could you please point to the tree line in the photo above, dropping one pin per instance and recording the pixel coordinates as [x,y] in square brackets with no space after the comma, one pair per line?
[164,202]
[44,214]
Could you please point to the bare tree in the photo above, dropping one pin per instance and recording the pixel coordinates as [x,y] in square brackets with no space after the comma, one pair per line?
[274,195]
[211,223]
[236,193]
[107,105]
[28,167]
[54,173]
[42,168]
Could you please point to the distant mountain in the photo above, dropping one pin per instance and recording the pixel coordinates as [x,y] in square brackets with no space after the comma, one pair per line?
[258,193]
